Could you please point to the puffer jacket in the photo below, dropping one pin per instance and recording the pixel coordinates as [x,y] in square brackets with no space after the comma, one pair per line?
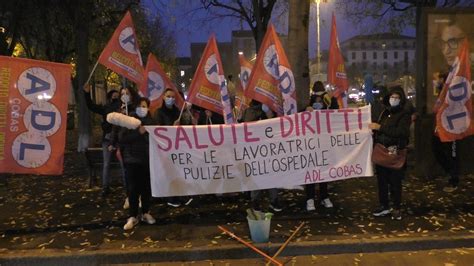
[133,145]
[394,122]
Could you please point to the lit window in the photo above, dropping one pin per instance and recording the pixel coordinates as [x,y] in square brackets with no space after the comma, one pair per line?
[182,73]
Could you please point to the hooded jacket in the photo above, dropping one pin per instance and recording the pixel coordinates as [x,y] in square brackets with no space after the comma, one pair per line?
[394,121]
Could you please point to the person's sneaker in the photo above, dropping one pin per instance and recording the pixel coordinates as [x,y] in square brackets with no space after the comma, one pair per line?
[188,201]
[310,205]
[327,203]
[396,214]
[275,206]
[174,204]
[381,211]
[147,218]
[131,222]
[126,204]
[450,188]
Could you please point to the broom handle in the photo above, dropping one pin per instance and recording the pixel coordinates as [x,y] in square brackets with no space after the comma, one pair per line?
[249,245]
[286,243]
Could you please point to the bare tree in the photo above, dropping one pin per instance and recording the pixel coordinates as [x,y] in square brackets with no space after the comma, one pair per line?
[390,15]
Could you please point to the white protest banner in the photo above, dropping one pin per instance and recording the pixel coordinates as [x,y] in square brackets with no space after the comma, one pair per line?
[307,147]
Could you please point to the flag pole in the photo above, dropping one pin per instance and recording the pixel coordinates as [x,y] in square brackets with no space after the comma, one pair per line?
[92,72]
[181,113]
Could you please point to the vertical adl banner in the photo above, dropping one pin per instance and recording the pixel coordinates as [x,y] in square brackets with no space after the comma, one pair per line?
[33,105]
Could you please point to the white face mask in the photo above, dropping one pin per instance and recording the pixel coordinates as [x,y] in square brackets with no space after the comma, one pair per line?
[265,108]
[125,98]
[394,101]
[141,111]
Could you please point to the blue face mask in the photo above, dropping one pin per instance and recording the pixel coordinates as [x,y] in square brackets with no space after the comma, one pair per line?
[169,102]
[265,108]
[318,106]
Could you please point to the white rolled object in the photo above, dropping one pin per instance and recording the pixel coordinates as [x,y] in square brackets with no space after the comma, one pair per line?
[122,120]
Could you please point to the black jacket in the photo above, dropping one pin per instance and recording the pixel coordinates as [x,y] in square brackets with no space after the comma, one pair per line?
[394,122]
[165,116]
[103,110]
[133,145]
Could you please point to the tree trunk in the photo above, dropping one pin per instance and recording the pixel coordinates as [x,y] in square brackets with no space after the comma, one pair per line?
[82,72]
[298,24]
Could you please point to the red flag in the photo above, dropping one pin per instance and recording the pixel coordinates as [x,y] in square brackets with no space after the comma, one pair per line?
[336,71]
[272,81]
[33,106]
[454,117]
[241,102]
[156,82]
[122,54]
[208,88]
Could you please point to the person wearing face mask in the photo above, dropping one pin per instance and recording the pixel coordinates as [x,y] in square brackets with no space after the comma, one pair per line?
[128,101]
[258,111]
[112,105]
[134,148]
[319,100]
[392,128]
[168,115]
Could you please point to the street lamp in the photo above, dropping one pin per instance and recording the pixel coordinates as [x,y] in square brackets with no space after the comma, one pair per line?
[318,40]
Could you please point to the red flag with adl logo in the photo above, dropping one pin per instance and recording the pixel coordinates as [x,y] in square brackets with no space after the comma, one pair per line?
[208,88]
[272,81]
[241,102]
[155,84]
[454,117]
[336,71]
[122,54]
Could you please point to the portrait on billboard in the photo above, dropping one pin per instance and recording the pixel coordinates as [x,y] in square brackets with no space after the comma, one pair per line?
[445,33]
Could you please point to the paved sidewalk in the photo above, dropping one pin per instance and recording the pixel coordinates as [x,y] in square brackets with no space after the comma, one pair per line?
[51,220]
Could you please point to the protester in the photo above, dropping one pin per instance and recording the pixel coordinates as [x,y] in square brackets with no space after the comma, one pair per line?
[320,99]
[129,100]
[134,147]
[258,111]
[392,129]
[168,115]
[451,37]
[112,105]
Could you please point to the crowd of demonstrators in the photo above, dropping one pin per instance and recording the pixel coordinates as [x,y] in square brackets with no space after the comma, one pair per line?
[392,129]
[112,105]
[258,111]
[319,99]
[134,147]
[391,121]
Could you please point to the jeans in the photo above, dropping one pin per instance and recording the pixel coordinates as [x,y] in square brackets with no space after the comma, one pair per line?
[107,158]
[446,155]
[139,184]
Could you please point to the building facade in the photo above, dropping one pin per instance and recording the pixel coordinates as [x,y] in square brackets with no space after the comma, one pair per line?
[386,56]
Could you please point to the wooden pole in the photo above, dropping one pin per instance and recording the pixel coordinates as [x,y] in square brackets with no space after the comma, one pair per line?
[250,246]
[92,72]
[286,243]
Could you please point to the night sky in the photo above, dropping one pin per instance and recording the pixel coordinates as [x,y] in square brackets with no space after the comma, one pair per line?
[195,28]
